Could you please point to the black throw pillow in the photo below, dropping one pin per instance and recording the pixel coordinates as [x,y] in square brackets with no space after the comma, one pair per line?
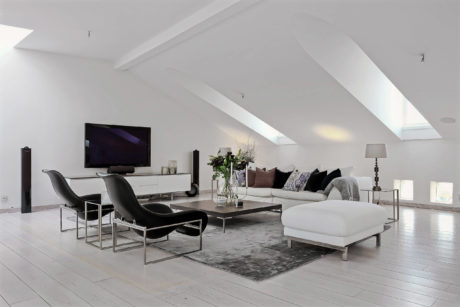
[334,174]
[315,180]
[308,185]
[280,178]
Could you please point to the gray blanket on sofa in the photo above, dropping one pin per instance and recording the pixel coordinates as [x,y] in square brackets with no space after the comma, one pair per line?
[347,186]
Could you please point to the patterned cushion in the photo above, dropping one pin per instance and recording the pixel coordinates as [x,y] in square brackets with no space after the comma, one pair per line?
[240,178]
[296,181]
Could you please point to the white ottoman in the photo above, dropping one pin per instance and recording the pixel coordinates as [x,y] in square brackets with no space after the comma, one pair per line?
[333,223]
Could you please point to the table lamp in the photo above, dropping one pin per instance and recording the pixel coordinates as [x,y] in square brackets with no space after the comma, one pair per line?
[376,151]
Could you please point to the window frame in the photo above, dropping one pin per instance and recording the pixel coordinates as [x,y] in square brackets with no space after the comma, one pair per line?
[399,187]
[434,188]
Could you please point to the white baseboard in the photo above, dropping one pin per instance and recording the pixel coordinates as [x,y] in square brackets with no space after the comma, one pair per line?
[441,207]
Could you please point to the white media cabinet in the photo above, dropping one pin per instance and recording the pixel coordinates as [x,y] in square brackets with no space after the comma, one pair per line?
[142,183]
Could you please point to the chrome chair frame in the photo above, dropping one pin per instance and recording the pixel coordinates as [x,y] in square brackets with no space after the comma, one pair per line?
[76,221]
[99,224]
[117,221]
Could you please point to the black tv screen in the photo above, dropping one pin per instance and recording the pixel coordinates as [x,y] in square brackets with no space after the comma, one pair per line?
[112,145]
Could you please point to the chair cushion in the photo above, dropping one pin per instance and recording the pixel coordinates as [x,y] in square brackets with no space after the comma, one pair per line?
[302,195]
[94,198]
[334,217]
[261,192]
[157,208]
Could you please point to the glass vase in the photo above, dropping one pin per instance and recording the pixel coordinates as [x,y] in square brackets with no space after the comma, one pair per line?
[224,191]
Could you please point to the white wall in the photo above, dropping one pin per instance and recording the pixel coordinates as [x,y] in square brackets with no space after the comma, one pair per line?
[421,161]
[45,99]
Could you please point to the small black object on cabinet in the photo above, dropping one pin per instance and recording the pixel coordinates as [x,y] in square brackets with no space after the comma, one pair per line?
[121,169]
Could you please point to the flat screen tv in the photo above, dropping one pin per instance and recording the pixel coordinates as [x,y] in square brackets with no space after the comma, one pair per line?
[113,145]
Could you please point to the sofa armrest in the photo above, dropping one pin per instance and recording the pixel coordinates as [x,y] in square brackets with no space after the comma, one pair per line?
[364,183]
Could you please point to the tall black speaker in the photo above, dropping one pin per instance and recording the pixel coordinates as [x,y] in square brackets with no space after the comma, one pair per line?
[195,188]
[196,167]
[26,180]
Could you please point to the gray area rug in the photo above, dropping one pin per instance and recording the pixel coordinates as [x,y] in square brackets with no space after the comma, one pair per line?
[252,246]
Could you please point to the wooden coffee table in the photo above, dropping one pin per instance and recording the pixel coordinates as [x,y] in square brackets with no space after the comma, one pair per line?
[228,211]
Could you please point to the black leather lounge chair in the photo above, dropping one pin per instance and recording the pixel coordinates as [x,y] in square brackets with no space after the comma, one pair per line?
[151,221]
[74,202]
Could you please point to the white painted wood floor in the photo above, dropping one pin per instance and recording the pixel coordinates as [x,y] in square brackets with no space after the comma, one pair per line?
[418,264]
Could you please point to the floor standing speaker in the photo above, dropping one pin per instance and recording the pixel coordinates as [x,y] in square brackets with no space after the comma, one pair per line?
[26,180]
[196,167]
[195,188]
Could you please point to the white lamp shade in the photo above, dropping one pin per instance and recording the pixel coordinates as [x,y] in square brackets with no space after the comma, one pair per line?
[376,151]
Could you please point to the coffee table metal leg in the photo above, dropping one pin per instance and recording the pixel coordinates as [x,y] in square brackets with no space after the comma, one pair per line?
[224,219]
[99,225]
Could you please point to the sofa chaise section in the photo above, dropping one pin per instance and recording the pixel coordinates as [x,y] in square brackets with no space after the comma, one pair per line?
[333,223]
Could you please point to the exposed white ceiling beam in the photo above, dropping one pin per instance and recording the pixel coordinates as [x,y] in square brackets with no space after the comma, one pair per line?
[201,20]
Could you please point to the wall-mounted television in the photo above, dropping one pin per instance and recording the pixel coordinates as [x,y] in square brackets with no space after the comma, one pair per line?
[113,145]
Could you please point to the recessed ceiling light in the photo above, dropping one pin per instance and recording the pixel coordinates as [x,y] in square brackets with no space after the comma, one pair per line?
[10,36]
[448,120]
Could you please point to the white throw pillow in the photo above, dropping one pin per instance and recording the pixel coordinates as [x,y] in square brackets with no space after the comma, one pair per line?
[345,171]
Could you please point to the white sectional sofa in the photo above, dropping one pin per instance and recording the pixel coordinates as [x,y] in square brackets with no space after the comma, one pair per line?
[291,198]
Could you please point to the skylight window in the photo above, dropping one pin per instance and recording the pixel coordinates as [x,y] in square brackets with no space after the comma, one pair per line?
[412,118]
[10,36]
[231,108]
[341,57]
